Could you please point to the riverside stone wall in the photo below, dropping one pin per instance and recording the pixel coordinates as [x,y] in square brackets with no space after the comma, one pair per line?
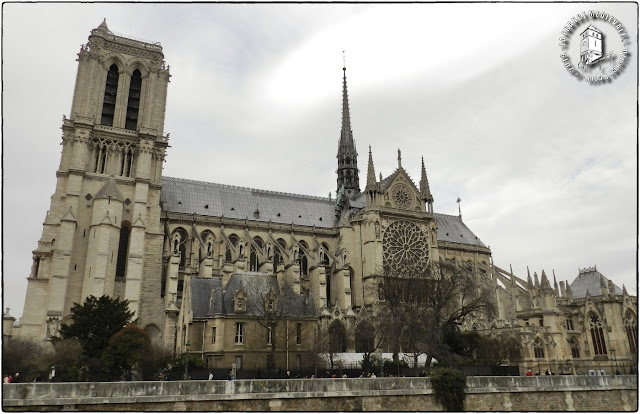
[548,393]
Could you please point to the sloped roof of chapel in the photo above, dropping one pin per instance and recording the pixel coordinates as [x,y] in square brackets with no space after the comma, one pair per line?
[209,297]
[452,229]
[217,200]
[589,279]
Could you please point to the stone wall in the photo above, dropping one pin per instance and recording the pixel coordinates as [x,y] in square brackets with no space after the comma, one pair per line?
[548,393]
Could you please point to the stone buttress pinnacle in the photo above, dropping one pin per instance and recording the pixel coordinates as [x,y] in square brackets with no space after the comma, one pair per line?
[371,172]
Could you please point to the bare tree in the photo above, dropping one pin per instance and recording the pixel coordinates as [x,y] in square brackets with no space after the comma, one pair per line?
[418,305]
[499,348]
[272,306]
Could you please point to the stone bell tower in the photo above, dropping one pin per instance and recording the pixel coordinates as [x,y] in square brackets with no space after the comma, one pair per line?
[102,234]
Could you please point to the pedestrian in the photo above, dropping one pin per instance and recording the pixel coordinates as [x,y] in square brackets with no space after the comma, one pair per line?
[6,380]
[231,376]
[373,375]
[547,372]
[210,375]
[288,374]
[529,373]
[16,378]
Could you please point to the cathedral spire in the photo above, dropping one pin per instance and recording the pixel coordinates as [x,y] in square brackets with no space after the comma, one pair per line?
[347,155]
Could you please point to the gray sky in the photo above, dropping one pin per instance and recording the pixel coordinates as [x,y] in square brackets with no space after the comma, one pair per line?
[545,165]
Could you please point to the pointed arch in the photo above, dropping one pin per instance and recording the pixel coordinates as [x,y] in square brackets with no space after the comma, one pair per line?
[123,249]
[631,327]
[179,237]
[133,103]
[233,239]
[597,335]
[538,347]
[110,93]
[337,337]
[304,260]
[277,255]
[575,348]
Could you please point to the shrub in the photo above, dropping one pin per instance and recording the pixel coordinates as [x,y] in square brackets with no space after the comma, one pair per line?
[449,386]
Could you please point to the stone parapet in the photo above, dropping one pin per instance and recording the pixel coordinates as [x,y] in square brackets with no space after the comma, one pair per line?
[483,393]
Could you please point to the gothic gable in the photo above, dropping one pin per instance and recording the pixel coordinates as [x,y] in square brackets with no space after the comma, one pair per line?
[400,192]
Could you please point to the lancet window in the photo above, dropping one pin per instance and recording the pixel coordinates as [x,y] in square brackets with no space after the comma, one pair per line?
[538,348]
[253,256]
[123,250]
[228,256]
[597,335]
[631,326]
[278,256]
[110,92]
[575,349]
[304,261]
[133,105]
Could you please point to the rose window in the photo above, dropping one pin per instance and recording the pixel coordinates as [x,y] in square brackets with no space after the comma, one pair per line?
[402,196]
[405,247]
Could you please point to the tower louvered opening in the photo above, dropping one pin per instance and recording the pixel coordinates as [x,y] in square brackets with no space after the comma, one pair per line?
[110,93]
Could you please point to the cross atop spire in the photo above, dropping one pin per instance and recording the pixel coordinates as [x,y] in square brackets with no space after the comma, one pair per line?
[347,154]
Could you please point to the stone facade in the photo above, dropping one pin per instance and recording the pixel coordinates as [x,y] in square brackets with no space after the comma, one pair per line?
[118,227]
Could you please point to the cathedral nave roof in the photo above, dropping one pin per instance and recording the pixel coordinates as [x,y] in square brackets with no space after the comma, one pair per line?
[217,200]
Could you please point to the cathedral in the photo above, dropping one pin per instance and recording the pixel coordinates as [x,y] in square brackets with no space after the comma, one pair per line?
[199,262]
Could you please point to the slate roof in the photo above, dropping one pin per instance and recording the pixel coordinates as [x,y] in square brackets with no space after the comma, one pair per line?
[589,279]
[208,298]
[217,200]
[453,229]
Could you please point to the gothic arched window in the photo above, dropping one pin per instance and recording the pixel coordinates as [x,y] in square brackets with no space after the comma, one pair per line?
[278,256]
[100,150]
[597,335]
[123,250]
[126,162]
[228,256]
[181,241]
[134,100]
[304,261]
[110,92]
[352,287]
[631,326]
[337,337]
[575,349]
[325,257]
[538,348]
[253,257]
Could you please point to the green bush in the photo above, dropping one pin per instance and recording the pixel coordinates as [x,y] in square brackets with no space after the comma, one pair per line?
[449,388]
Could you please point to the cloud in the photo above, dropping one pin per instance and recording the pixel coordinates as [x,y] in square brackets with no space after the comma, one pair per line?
[545,165]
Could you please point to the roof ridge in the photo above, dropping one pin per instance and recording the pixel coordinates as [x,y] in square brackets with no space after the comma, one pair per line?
[448,215]
[237,187]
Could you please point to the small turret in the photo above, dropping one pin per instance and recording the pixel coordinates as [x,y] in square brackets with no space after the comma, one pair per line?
[569,293]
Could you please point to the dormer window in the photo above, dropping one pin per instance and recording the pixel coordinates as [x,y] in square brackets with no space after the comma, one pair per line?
[240,302]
